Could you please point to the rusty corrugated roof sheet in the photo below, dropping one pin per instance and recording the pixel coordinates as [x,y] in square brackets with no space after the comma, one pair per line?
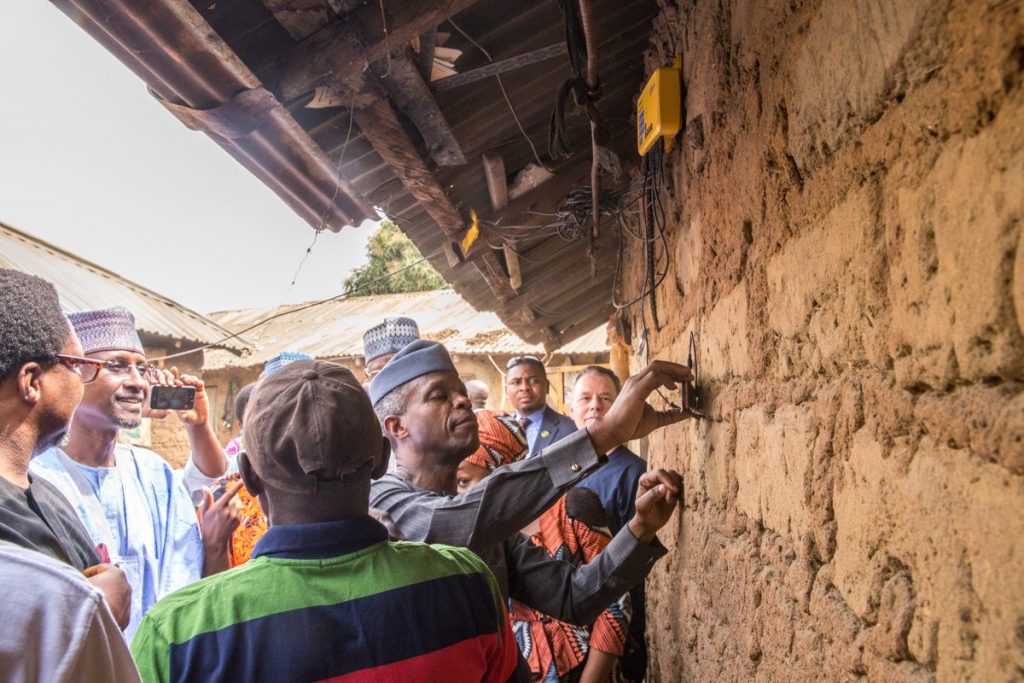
[335,329]
[85,286]
[560,299]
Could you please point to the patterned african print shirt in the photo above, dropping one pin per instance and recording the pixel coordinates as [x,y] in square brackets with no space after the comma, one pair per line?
[552,648]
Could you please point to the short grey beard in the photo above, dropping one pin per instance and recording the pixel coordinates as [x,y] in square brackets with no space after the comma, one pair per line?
[65,438]
[127,423]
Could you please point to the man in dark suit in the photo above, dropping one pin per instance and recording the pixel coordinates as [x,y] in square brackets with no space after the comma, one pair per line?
[526,386]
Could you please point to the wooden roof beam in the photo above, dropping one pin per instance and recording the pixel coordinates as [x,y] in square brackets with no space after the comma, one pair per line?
[380,124]
[497,187]
[301,18]
[404,84]
[346,47]
[500,67]
[547,196]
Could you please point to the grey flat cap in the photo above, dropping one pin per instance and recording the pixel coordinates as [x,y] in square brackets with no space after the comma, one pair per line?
[419,358]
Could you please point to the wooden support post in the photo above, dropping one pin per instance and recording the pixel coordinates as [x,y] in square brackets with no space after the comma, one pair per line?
[497,187]
[515,275]
[547,196]
[497,184]
[620,359]
[379,123]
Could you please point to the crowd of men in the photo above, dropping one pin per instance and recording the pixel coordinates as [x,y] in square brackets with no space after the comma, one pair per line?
[353,531]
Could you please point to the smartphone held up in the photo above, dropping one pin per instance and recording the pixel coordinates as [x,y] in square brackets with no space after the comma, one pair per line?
[163,397]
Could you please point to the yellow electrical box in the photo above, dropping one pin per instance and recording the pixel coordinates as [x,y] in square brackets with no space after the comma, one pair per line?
[659,108]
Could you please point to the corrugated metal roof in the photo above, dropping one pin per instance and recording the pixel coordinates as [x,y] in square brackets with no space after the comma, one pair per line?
[85,286]
[573,303]
[560,299]
[335,329]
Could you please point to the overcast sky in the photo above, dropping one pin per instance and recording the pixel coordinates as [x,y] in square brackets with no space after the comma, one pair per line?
[90,162]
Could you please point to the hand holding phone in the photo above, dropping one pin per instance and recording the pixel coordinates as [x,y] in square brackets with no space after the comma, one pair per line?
[163,397]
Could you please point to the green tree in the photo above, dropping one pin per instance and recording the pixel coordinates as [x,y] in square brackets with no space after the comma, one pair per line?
[388,251]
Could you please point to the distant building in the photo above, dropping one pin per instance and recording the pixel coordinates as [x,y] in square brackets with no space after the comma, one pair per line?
[165,327]
[479,342]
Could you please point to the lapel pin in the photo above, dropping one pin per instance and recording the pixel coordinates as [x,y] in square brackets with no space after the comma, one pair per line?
[545,433]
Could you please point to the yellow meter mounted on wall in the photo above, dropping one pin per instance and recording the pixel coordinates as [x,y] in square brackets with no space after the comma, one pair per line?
[659,108]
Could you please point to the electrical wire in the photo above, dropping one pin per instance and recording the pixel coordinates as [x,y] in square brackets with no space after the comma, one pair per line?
[259,323]
[323,216]
[652,214]
[387,41]
[504,93]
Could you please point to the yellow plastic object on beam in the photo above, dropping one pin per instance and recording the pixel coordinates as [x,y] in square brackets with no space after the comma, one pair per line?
[472,233]
[659,108]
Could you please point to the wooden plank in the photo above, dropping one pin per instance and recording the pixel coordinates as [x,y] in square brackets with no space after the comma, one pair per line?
[515,275]
[499,67]
[497,184]
[545,285]
[381,126]
[546,197]
[408,91]
[453,254]
[570,302]
[425,57]
[340,51]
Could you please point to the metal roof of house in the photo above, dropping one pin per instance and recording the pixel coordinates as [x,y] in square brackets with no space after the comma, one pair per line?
[246,71]
[335,329]
[85,286]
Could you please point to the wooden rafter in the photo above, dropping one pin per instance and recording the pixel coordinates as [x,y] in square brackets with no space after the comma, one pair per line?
[499,67]
[497,187]
[343,49]
[404,84]
[379,123]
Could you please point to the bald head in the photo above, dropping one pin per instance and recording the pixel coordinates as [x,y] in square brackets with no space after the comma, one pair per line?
[478,393]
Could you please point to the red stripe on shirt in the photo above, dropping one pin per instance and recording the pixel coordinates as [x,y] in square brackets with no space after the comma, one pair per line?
[458,663]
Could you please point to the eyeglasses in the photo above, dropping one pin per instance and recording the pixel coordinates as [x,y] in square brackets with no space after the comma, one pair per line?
[517,360]
[89,368]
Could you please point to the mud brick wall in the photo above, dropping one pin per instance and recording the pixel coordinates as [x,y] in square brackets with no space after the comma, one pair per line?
[844,227]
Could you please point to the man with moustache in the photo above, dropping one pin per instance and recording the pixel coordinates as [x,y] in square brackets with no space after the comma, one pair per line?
[526,387]
[128,498]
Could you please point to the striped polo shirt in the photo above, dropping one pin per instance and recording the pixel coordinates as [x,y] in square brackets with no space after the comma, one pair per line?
[334,601]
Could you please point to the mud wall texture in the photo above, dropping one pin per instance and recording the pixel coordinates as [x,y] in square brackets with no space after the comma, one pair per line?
[844,223]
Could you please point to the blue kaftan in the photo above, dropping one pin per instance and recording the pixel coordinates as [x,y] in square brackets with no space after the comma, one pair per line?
[141,511]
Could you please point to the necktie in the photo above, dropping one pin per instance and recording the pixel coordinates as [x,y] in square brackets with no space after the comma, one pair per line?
[524,422]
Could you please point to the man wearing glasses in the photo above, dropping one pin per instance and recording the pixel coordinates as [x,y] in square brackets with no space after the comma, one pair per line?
[526,386]
[56,623]
[132,504]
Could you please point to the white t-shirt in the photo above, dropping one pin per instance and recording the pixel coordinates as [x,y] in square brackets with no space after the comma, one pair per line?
[56,625]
